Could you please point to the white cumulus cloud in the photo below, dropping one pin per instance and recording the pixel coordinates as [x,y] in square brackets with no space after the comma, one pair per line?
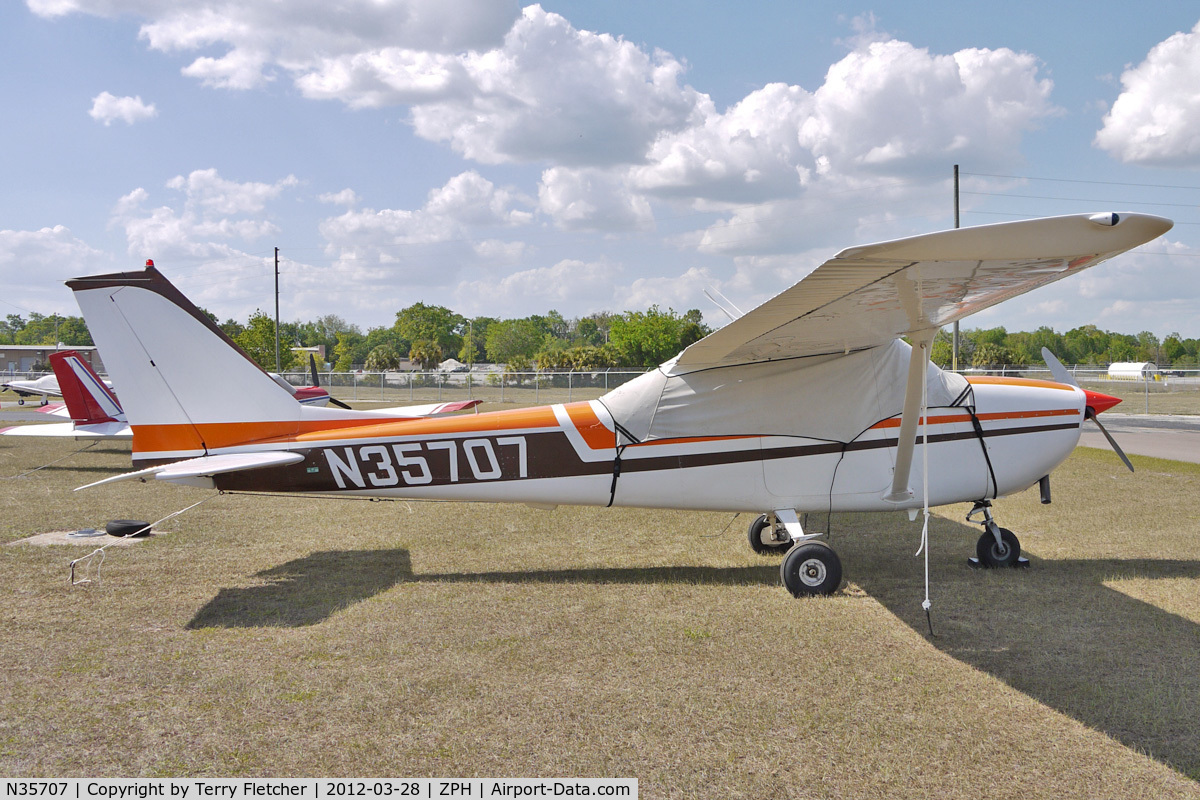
[1156,118]
[33,265]
[569,283]
[592,200]
[109,108]
[301,37]
[215,218]
[431,244]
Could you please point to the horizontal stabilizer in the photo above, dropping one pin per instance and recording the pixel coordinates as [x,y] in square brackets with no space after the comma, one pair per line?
[428,409]
[206,467]
[71,430]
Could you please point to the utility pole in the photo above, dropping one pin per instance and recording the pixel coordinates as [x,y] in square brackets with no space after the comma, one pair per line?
[954,343]
[277,305]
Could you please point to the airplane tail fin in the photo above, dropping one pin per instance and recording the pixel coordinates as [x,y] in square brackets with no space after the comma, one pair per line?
[187,388]
[89,400]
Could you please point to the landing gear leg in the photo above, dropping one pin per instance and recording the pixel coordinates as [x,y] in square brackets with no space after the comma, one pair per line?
[997,547]
[809,568]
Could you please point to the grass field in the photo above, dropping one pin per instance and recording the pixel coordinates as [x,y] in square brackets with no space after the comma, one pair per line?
[292,637]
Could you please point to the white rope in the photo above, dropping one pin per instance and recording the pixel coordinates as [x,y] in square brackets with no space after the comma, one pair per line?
[88,446]
[89,564]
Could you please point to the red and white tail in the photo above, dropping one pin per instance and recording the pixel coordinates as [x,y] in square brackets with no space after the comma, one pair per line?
[89,400]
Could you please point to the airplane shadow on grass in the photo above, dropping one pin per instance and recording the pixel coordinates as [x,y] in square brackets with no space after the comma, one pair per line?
[309,590]
[1054,632]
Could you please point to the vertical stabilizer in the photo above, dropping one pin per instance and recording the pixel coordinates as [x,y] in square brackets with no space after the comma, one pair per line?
[186,386]
[89,401]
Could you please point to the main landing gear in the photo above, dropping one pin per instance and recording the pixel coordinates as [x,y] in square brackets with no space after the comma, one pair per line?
[997,547]
[809,567]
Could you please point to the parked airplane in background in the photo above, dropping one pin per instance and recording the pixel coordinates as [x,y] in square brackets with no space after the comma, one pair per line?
[89,401]
[46,386]
[96,413]
[313,395]
[809,403]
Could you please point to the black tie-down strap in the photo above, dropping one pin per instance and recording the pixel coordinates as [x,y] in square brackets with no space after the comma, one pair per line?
[620,448]
[983,445]
[966,401]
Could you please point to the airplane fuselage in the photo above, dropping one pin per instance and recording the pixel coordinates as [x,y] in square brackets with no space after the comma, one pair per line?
[1017,431]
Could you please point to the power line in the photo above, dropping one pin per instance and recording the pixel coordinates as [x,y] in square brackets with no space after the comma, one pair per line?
[1077,180]
[1081,199]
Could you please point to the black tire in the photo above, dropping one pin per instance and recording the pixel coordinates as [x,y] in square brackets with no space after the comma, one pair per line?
[994,555]
[127,527]
[20,401]
[761,540]
[811,569]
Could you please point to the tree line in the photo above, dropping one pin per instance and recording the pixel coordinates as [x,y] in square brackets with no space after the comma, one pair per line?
[426,335]
[996,347]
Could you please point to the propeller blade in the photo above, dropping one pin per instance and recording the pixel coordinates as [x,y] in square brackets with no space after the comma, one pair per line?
[339,403]
[1057,369]
[1091,414]
[312,362]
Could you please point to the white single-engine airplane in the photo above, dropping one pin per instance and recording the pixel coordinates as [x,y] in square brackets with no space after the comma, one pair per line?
[809,403]
[90,403]
[47,386]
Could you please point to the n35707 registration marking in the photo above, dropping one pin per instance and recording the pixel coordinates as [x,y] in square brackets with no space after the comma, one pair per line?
[379,466]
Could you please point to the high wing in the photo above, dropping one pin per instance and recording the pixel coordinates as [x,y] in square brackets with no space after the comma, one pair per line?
[869,295]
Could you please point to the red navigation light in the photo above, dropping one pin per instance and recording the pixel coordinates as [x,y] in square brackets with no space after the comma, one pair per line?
[149,262]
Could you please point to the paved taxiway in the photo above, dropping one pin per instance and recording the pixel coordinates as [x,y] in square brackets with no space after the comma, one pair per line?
[1175,437]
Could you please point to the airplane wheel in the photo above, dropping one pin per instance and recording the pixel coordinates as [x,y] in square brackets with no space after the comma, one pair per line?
[763,541]
[997,555]
[127,527]
[811,569]
[20,401]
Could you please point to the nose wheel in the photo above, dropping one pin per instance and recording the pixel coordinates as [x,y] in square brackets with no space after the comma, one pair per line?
[997,547]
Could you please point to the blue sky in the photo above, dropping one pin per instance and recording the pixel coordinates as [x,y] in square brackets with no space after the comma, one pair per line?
[584,156]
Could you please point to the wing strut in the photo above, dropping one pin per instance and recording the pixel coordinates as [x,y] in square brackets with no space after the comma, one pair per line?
[918,365]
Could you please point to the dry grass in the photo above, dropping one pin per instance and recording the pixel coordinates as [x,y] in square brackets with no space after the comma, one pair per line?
[287,636]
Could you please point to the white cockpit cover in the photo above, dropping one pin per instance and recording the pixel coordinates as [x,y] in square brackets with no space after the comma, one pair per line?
[831,397]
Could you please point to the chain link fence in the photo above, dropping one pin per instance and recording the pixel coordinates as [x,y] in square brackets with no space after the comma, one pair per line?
[1164,391]
[492,387]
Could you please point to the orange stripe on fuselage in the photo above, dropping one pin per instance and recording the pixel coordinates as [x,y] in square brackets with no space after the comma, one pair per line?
[593,431]
[599,437]
[997,380]
[166,438]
